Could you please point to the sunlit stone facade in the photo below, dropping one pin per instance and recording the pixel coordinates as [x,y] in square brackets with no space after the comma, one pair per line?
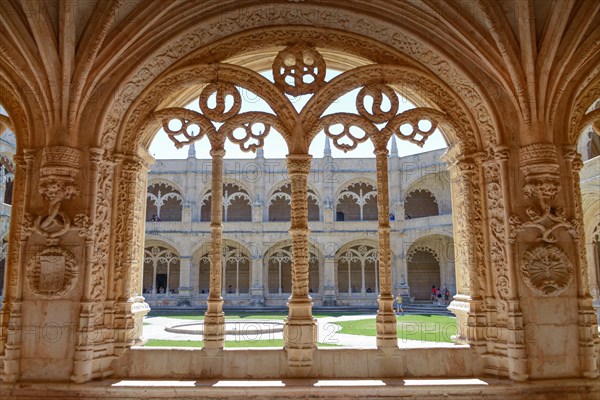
[342,214]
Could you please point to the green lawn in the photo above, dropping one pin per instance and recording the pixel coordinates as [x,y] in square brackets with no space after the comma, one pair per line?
[430,328]
[228,343]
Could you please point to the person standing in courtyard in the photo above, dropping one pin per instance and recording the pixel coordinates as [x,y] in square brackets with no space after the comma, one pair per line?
[399,309]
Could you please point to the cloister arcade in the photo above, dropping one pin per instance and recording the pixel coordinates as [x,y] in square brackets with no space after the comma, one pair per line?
[511,87]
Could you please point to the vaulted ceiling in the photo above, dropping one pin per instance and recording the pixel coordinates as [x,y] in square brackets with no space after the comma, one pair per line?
[58,52]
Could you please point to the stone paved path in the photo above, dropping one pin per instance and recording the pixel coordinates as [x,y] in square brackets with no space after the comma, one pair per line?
[154,328]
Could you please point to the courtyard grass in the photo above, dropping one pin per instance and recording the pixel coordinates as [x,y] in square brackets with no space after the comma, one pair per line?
[228,343]
[429,328]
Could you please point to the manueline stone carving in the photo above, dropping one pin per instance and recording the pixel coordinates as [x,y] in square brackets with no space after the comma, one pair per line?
[52,272]
[547,270]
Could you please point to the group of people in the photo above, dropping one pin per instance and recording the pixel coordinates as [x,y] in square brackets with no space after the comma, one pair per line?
[437,293]
[436,298]
[155,218]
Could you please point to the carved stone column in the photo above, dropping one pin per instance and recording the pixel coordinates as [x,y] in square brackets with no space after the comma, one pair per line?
[257,294]
[468,243]
[20,229]
[509,333]
[589,346]
[387,337]
[185,283]
[124,278]
[329,286]
[300,331]
[214,318]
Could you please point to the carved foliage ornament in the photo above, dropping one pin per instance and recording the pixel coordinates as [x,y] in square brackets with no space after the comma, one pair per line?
[248,130]
[52,272]
[547,270]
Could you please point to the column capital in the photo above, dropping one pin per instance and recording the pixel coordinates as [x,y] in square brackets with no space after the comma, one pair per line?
[298,164]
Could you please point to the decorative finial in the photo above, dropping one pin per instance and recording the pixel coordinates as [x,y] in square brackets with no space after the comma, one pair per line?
[394,152]
[327,151]
[192,150]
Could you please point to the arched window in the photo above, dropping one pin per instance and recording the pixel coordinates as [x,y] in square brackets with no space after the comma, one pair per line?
[236,271]
[357,202]
[237,204]
[279,270]
[420,203]
[164,203]
[280,204]
[161,271]
[6,180]
[357,269]
[423,267]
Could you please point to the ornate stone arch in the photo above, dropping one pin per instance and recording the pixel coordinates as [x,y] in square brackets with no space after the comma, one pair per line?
[444,108]
[356,200]
[277,260]
[161,269]
[420,202]
[370,45]
[236,195]
[357,268]
[236,261]
[164,201]
[279,202]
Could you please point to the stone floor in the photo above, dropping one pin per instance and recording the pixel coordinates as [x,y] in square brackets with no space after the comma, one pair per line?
[464,389]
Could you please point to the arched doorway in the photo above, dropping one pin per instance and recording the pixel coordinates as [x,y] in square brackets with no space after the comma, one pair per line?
[423,273]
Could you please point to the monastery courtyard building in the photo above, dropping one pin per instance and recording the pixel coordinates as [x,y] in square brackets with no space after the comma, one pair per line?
[276,204]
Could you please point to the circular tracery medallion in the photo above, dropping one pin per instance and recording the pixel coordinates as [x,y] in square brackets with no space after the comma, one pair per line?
[52,272]
[547,270]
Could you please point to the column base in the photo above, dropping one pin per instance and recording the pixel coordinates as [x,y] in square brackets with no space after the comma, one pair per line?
[460,307]
[387,335]
[214,325]
[257,297]
[300,337]
[139,309]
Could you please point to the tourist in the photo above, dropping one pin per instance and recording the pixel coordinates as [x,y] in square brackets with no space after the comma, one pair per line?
[447,296]
[399,309]
[433,293]
[438,295]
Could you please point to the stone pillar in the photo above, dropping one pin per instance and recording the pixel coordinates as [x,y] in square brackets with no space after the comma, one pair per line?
[387,337]
[470,275]
[12,301]
[329,286]
[214,319]
[300,331]
[257,294]
[185,281]
[589,346]
[545,233]
[125,302]
[508,339]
